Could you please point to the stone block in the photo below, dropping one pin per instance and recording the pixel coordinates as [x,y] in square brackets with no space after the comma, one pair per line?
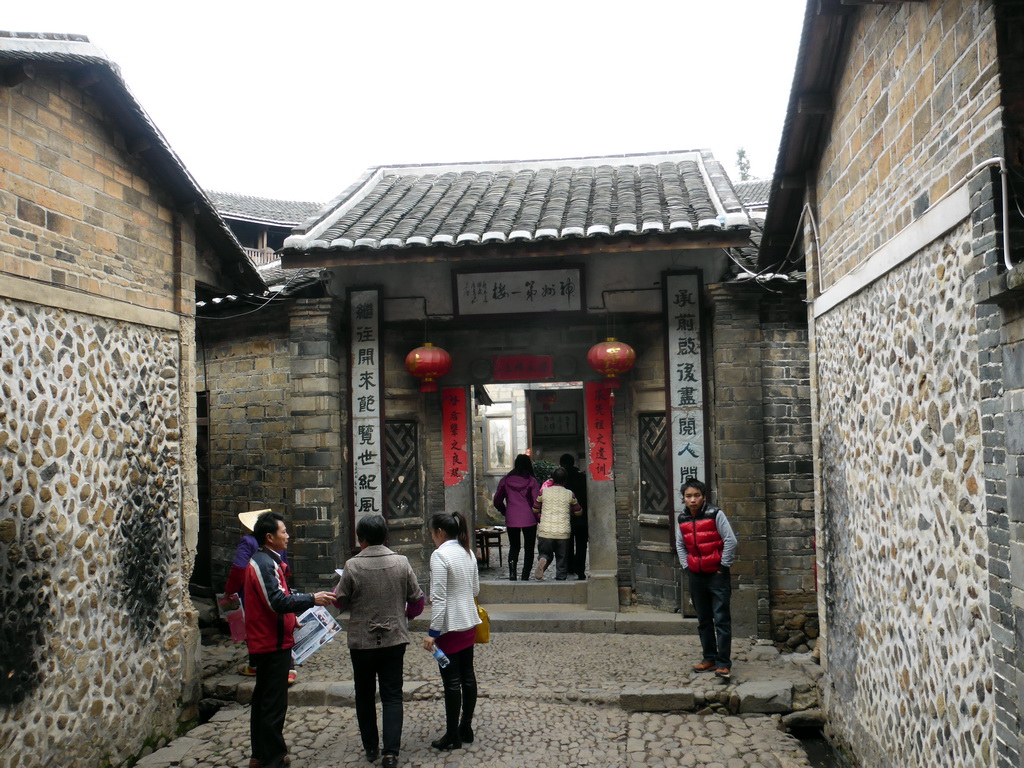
[765,697]
[172,754]
[308,694]
[657,700]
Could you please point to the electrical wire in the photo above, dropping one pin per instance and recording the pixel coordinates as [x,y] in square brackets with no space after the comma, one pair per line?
[269,299]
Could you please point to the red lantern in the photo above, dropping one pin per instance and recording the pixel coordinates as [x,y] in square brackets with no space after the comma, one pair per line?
[611,358]
[428,363]
[546,399]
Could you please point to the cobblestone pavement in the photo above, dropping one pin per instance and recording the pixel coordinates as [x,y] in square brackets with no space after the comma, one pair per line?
[546,699]
[509,734]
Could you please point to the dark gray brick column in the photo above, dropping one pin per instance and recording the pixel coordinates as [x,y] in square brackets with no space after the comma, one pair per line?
[319,509]
[737,444]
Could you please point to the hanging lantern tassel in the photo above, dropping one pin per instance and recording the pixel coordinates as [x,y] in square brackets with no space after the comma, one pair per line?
[611,358]
[428,363]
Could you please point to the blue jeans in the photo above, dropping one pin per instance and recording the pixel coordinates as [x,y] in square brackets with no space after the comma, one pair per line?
[710,593]
[368,666]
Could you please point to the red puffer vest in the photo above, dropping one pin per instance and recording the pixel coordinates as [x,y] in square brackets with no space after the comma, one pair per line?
[703,543]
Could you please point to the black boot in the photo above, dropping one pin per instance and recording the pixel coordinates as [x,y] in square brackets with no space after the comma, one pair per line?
[468,708]
[527,567]
[452,709]
[511,571]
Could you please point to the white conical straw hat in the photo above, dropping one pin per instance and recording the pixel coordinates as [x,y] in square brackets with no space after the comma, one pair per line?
[248,519]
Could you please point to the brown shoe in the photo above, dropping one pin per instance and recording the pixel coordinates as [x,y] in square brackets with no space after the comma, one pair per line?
[723,672]
[704,666]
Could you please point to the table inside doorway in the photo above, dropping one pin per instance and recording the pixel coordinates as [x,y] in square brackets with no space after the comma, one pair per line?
[487,538]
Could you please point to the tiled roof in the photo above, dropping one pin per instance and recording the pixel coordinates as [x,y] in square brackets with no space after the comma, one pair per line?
[402,206]
[262,210]
[754,193]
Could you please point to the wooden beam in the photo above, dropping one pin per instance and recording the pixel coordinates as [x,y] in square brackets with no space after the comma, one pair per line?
[814,104]
[139,144]
[562,248]
[17,73]
[833,8]
[86,77]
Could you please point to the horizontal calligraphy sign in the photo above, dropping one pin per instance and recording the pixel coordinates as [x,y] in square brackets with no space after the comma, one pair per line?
[519,291]
[523,367]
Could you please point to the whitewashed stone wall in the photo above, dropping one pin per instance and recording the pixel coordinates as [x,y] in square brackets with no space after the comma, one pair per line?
[93,596]
[909,678]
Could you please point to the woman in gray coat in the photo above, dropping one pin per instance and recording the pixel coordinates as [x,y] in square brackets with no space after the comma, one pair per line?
[381,592]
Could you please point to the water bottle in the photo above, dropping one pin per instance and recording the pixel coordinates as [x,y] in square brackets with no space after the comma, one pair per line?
[442,660]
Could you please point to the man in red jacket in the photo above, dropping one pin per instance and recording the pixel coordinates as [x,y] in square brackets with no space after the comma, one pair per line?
[707,547]
[270,610]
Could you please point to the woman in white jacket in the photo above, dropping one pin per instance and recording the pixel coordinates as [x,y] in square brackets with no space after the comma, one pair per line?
[454,582]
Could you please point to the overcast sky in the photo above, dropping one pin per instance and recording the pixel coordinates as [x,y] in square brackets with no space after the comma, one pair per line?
[295,100]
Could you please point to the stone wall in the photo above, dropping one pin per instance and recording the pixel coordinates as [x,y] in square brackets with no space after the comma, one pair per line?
[247,379]
[789,469]
[276,432]
[93,583]
[917,108]
[903,516]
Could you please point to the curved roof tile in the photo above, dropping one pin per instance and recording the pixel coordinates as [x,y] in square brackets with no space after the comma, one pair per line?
[397,207]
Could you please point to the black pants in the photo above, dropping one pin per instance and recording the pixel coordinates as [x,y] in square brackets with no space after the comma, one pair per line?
[368,666]
[460,690]
[578,546]
[269,707]
[710,593]
[514,547]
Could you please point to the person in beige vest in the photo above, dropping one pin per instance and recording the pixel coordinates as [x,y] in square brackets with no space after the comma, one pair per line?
[555,505]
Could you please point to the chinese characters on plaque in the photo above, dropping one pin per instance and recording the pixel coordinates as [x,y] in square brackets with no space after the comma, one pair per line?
[685,382]
[519,291]
[364,384]
[453,430]
[599,429]
[523,367]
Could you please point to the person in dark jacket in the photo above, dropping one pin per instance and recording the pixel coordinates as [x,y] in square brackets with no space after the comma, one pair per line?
[576,481]
[270,609]
[707,547]
[381,591]
[514,499]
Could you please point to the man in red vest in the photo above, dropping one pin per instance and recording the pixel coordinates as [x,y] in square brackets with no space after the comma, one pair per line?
[707,547]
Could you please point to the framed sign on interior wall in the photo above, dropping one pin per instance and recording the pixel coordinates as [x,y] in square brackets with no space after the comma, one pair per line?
[555,424]
[498,439]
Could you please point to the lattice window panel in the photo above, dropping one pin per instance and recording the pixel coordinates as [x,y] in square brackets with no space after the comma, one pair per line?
[655,494]
[401,445]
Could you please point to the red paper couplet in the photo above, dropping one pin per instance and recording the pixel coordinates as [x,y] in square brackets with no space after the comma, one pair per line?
[599,430]
[453,419]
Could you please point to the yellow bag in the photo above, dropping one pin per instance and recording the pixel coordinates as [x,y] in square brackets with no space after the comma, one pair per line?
[483,629]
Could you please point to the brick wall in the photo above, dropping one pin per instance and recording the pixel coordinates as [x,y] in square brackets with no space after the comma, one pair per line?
[248,378]
[1001,364]
[85,209]
[738,444]
[917,108]
[789,470]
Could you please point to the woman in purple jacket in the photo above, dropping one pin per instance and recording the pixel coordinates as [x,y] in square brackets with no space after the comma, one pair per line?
[514,499]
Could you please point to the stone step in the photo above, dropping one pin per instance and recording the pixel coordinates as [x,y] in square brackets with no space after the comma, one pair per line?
[507,592]
[569,617]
